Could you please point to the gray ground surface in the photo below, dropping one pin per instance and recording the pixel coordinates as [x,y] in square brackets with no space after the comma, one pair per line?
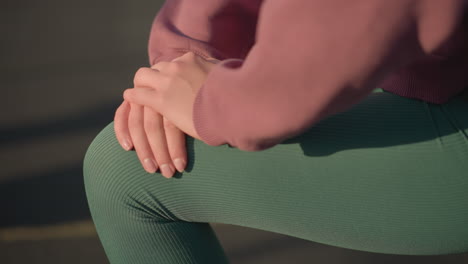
[63,67]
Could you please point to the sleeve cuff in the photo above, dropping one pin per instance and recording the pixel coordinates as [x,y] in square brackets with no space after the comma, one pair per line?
[207,110]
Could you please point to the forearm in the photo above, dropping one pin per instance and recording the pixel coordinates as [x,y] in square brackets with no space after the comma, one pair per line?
[326,58]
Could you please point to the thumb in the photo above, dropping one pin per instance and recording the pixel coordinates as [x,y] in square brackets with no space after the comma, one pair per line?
[141,96]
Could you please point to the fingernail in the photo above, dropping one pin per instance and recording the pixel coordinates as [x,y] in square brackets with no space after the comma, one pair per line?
[179,164]
[167,170]
[150,165]
[126,144]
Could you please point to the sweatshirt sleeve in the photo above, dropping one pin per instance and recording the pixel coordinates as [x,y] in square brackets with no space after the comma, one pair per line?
[210,28]
[313,59]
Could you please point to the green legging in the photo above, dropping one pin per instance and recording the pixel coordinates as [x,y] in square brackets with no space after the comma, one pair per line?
[389,176]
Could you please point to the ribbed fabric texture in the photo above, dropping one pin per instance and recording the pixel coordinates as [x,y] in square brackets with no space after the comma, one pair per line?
[389,176]
[441,78]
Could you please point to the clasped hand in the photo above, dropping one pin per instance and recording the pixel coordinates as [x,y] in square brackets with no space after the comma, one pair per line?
[157,113]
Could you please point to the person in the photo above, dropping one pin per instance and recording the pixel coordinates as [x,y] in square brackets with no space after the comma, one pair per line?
[265,114]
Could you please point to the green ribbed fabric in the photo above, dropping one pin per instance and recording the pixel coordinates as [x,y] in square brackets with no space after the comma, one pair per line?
[390,176]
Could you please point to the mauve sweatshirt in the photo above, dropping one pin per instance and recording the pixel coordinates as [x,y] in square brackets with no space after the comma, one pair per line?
[286,65]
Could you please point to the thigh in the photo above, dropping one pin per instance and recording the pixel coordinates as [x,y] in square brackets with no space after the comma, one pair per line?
[387,176]
[390,175]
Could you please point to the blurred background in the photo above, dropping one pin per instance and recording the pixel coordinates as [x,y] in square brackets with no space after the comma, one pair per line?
[64,65]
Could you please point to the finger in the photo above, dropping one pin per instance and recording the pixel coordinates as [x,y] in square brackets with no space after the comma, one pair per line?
[176,144]
[141,96]
[137,132]
[212,60]
[155,134]
[121,125]
[160,65]
[146,77]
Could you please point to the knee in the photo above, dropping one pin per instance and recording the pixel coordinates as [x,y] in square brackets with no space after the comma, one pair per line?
[96,165]
[115,180]
[104,169]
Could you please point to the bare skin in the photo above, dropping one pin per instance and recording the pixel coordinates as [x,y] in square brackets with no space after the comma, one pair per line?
[157,113]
